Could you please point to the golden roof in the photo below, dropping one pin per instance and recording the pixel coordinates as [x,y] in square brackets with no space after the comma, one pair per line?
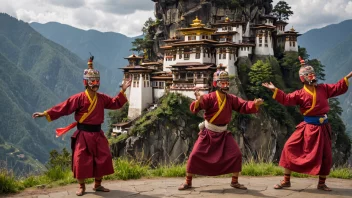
[197,23]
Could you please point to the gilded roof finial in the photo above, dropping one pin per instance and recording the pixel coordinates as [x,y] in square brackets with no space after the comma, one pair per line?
[227,19]
[197,23]
[292,30]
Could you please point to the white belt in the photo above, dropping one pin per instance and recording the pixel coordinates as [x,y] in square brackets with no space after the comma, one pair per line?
[212,127]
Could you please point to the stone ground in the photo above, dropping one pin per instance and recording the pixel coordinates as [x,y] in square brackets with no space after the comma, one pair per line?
[202,187]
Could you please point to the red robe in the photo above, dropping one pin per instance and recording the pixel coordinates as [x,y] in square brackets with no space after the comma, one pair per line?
[91,156]
[308,150]
[217,153]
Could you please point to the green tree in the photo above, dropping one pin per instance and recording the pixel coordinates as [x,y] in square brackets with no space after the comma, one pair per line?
[318,68]
[62,160]
[342,145]
[282,11]
[302,52]
[260,72]
[146,43]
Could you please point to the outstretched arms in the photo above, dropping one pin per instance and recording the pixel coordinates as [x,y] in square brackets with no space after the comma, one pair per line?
[290,99]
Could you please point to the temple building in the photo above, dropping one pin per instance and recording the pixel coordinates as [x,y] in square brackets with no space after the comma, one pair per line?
[194,53]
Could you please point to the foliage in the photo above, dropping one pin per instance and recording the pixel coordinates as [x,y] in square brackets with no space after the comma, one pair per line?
[172,107]
[119,138]
[146,44]
[129,169]
[172,170]
[260,72]
[343,141]
[282,11]
[318,68]
[343,173]
[8,182]
[61,160]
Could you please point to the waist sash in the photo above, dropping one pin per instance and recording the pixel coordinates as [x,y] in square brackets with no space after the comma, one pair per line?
[212,127]
[316,120]
[89,127]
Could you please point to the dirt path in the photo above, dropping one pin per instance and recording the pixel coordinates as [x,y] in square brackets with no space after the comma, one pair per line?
[202,187]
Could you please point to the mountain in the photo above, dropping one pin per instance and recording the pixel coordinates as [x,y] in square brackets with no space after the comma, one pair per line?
[35,74]
[332,45]
[109,48]
[318,41]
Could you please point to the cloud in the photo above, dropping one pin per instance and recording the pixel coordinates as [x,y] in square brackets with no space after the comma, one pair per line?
[126,17]
[122,7]
[310,14]
[67,3]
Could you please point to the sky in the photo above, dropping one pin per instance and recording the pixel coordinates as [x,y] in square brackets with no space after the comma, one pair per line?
[128,16]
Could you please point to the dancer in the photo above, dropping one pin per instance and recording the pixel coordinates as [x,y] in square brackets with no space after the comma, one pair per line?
[91,157]
[308,150]
[215,152]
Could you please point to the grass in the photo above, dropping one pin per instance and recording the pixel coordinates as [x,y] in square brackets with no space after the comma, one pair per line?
[132,169]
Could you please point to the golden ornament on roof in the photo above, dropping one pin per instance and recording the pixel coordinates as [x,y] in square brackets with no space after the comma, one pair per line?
[292,30]
[197,23]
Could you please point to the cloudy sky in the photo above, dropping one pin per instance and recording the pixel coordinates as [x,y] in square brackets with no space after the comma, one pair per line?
[128,16]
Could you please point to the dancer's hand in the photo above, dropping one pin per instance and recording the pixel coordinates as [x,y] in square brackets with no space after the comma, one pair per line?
[258,102]
[126,84]
[349,75]
[38,114]
[198,94]
[269,86]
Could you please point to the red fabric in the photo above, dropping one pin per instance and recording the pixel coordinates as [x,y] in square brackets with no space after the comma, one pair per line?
[61,131]
[233,103]
[91,155]
[214,154]
[308,150]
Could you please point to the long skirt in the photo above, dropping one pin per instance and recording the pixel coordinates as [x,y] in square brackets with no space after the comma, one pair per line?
[214,154]
[308,150]
[91,156]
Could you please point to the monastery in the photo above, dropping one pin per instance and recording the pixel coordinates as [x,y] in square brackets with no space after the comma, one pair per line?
[191,58]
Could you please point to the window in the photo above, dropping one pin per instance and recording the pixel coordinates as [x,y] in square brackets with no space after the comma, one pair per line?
[187,52]
[294,44]
[191,37]
[180,56]
[224,55]
[219,56]
[197,53]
